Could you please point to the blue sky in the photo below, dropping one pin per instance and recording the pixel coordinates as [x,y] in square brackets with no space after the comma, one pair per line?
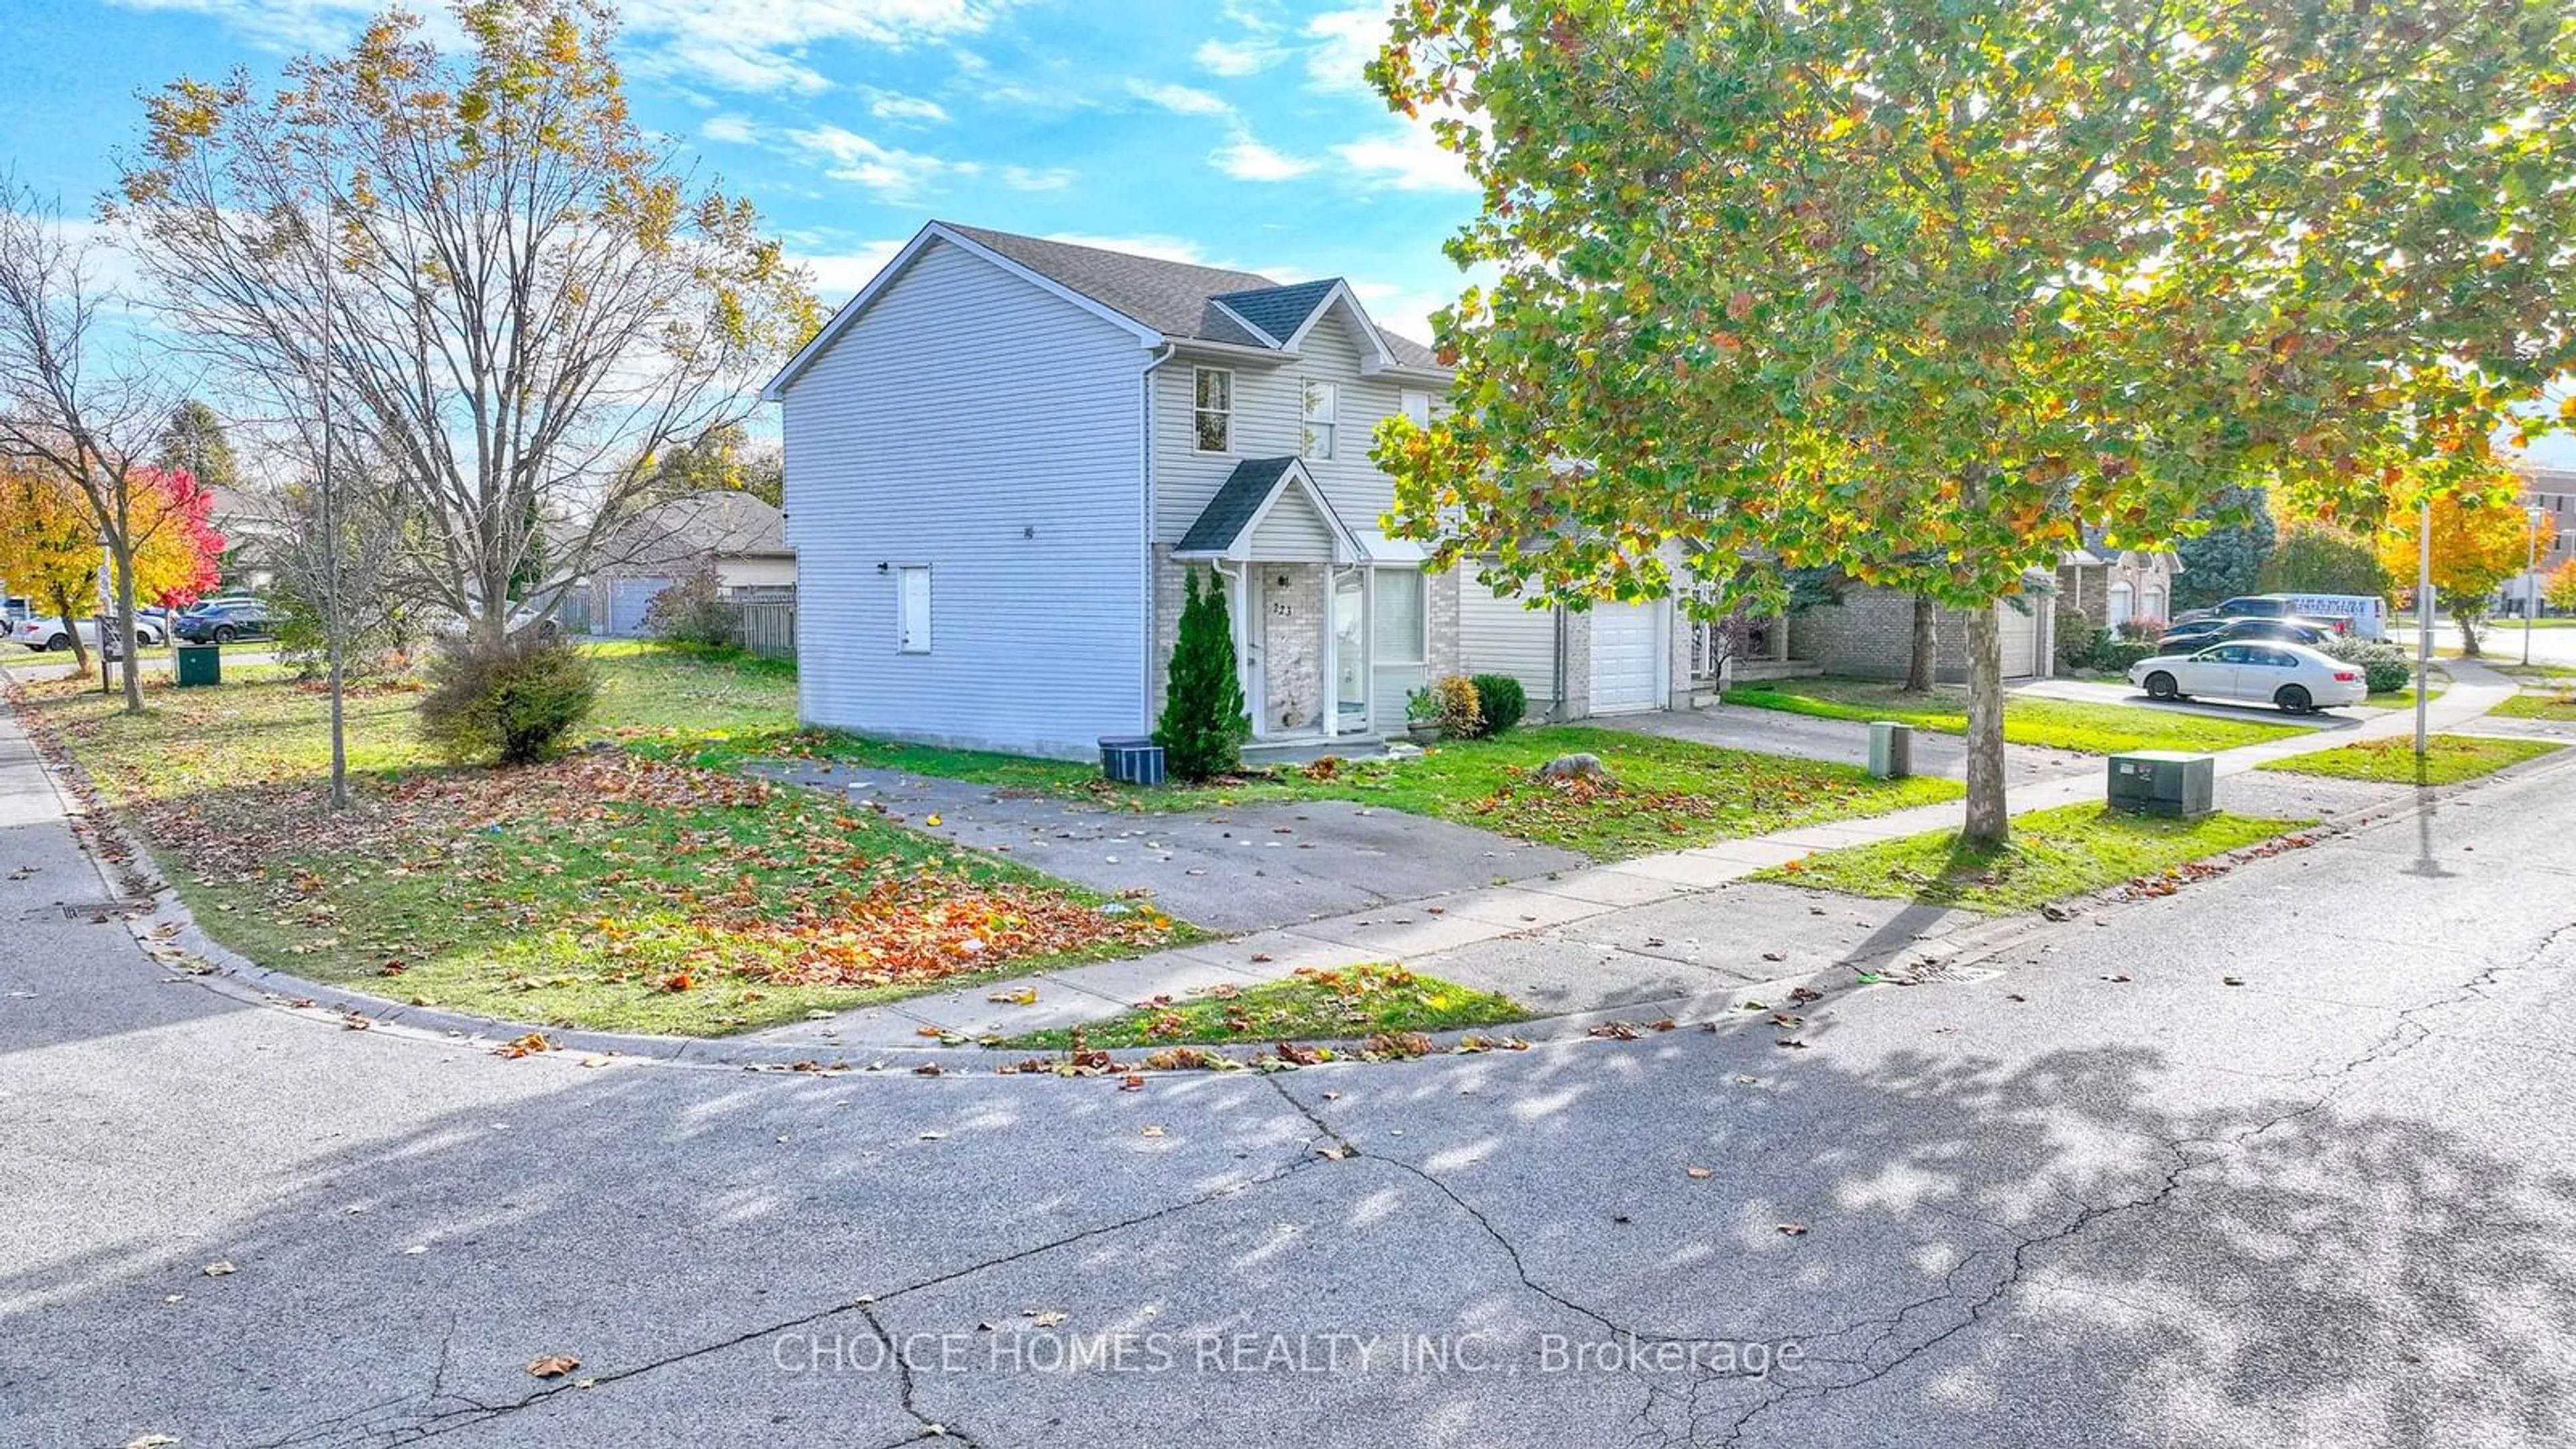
[1238,134]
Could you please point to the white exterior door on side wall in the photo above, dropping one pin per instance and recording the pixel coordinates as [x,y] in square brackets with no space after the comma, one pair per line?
[1627,658]
[627,601]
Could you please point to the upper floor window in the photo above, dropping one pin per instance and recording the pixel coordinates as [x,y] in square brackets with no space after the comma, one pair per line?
[1417,407]
[1323,403]
[1212,412]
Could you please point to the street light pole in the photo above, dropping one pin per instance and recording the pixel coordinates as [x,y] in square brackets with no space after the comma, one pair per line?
[2424,626]
[2530,579]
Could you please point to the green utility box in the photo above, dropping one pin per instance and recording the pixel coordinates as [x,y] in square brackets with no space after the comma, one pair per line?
[200,664]
[2164,782]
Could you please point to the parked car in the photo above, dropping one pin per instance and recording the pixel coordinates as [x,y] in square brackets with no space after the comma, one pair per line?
[2203,633]
[45,635]
[2361,614]
[2298,679]
[224,624]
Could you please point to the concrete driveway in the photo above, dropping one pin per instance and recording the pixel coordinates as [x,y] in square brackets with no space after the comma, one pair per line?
[1249,868]
[2153,1179]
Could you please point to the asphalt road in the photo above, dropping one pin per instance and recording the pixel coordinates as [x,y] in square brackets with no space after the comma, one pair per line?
[2102,1196]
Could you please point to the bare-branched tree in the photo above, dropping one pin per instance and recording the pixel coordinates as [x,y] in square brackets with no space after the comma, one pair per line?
[509,288]
[79,396]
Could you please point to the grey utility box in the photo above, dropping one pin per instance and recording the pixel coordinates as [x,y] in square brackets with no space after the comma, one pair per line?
[2164,782]
[1891,749]
[1131,759]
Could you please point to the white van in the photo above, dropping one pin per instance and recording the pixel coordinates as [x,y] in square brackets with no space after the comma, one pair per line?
[2363,616]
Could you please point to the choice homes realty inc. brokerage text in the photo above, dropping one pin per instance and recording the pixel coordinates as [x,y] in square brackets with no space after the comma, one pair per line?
[1042,1350]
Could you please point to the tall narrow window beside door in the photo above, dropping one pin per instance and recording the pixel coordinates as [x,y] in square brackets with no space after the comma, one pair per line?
[912,609]
[1214,409]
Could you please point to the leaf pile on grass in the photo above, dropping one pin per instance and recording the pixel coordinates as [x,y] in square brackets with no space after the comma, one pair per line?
[2052,854]
[2448,759]
[1385,1005]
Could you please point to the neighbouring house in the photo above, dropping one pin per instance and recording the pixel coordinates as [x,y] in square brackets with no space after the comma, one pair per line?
[740,536]
[1005,453]
[2552,490]
[1870,634]
[2114,586]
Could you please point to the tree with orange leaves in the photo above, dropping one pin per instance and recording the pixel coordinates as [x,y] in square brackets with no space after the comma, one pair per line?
[2481,537]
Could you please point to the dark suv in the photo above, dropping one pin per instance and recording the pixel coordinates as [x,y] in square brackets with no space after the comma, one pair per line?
[226,624]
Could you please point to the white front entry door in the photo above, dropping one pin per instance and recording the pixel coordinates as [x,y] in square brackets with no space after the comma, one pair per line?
[1627,658]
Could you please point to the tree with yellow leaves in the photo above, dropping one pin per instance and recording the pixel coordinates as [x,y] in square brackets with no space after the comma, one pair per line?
[2481,537]
[2559,592]
[49,545]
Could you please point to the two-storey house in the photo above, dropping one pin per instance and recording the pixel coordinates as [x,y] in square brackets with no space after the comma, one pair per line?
[1003,455]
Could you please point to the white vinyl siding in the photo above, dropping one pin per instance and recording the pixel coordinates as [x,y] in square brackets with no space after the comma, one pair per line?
[1496,635]
[972,422]
[1212,409]
[1292,532]
[912,610]
[1269,422]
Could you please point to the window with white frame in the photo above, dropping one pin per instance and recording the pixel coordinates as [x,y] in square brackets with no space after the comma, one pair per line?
[1397,637]
[1213,409]
[912,609]
[1416,407]
[1323,403]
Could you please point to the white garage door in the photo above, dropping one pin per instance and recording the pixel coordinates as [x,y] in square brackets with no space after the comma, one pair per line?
[1627,652]
[627,600]
[2021,641]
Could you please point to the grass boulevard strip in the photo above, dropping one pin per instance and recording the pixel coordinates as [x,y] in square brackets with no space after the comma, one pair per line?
[642,884]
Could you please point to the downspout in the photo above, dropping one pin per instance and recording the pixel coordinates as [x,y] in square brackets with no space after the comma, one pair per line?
[1556,708]
[1145,451]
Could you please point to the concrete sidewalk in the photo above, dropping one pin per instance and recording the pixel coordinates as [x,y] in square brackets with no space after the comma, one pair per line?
[1481,936]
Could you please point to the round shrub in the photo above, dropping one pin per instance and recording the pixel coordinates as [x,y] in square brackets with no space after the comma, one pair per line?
[508,703]
[1461,716]
[2384,666]
[2116,655]
[1501,700]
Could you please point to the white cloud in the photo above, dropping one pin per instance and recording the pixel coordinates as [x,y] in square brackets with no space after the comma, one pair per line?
[728,127]
[1408,159]
[1051,178]
[1347,40]
[1237,57]
[839,275]
[1180,100]
[910,110]
[1246,159]
[894,175]
[1149,244]
[737,45]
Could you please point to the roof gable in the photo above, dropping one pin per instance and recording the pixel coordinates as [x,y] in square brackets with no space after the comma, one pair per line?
[1280,312]
[1226,525]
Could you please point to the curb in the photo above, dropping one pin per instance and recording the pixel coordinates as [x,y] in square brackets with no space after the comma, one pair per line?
[169,933]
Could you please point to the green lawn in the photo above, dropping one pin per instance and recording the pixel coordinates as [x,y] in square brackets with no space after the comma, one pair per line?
[605,890]
[2052,854]
[1669,794]
[1354,1003]
[2448,759]
[2095,729]
[2542,672]
[2560,707]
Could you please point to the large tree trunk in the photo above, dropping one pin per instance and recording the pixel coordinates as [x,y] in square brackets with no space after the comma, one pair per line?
[132,669]
[1988,822]
[1918,663]
[63,610]
[2468,634]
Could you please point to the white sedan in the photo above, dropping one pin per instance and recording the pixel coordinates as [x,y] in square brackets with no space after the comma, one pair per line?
[2293,676]
[45,634]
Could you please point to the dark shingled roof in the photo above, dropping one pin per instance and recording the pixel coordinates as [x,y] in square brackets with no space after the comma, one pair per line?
[1235,504]
[1280,311]
[1177,298]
